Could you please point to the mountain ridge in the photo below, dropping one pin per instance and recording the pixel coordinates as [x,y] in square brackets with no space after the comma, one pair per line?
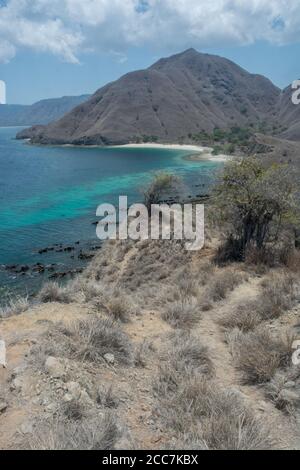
[176,97]
[41,112]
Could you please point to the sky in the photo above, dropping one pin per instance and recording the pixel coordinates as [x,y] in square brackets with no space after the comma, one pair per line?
[52,48]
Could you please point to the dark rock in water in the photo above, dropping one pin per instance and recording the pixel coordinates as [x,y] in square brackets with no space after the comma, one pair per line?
[85,256]
[11,267]
[69,248]
[22,268]
[46,250]
[38,267]
[77,243]
[58,275]
[62,274]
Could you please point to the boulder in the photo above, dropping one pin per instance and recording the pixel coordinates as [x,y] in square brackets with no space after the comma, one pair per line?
[74,390]
[110,358]
[54,367]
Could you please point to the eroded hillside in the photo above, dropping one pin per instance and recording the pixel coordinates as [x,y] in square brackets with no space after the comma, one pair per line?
[154,347]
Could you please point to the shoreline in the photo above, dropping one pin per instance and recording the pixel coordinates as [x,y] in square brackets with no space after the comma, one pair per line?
[200,153]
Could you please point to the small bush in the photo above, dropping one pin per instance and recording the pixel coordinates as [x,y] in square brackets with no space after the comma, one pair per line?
[183,357]
[88,340]
[259,356]
[228,252]
[208,417]
[72,410]
[280,292]
[96,337]
[245,317]
[106,397]
[52,292]
[186,285]
[15,307]
[264,257]
[142,352]
[222,283]
[61,433]
[120,309]
[182,314]
[186,353]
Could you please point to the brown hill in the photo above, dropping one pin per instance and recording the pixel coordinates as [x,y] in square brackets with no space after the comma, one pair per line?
[181,95]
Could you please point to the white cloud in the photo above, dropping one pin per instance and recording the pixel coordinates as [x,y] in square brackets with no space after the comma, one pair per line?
[67,28]
[7,51]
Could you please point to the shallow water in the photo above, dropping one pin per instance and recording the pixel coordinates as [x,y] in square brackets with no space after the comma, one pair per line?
[49,195]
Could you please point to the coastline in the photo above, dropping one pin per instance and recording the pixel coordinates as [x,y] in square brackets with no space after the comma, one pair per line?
[200,153]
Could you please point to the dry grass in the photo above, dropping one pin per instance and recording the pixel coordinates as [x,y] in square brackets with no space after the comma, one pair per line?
[96,337]
[60,433]
[259,356]
[221,285]
[106,397]
[280,294]
[15,306]
[291,259]
[184,356]
[104,298]
[120,309]
[88,340]
[153,263]
[224,283]
[52,292]
[205,416]
[142,353]
[182,314]
[72,410]
[245,317]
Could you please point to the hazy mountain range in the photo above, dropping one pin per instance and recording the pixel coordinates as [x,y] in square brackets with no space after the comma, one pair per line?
[172,100]
[41,112]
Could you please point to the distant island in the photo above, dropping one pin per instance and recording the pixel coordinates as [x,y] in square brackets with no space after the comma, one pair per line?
[42,112]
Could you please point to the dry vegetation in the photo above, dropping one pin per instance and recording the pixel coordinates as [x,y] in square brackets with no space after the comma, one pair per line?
[162,338]
[155,347]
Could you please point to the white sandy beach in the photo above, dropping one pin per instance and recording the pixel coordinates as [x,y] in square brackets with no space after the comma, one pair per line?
[199,152]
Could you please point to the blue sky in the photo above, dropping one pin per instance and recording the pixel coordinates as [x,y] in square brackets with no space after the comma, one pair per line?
[70,47]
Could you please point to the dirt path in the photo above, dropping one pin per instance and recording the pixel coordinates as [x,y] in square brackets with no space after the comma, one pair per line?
[226,373]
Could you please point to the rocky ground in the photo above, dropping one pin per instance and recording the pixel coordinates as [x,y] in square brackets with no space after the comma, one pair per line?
[153,347]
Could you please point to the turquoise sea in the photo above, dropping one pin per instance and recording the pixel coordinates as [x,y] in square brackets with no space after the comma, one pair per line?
[49,196]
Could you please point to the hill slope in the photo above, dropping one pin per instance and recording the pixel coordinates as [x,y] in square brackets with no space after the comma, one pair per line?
[175,97]
[289,115]
[166,372]
[42,112]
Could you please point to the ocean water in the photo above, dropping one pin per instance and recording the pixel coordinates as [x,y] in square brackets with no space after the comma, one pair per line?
[49,196]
